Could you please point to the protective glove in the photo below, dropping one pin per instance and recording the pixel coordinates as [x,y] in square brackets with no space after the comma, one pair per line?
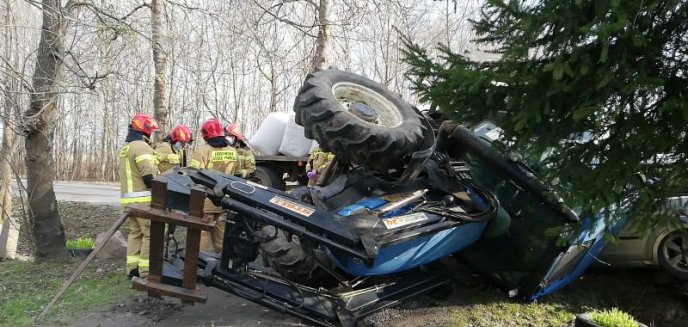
[312,174]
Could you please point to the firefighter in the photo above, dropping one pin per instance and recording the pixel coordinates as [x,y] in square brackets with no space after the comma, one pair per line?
[216,154]
[246,161]
[138,166]
[317,163]
[170,152]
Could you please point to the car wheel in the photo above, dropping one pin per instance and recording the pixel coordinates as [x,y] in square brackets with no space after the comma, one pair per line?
[673,253]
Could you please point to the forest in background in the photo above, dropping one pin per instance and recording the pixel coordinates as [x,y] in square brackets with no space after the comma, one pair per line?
[234,60]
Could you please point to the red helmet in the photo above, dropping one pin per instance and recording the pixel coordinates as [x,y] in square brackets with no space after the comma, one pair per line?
[233,130]
[144,123]
[181,133]
[212,128]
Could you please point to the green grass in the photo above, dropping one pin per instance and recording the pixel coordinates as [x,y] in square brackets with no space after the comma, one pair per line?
[648,299]
[81,243]
[613,318]
[489,311]
[25,289]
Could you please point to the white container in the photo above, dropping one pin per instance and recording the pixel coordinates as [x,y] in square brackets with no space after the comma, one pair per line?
[313,147]
[294,143]
[268,137]
[9,238]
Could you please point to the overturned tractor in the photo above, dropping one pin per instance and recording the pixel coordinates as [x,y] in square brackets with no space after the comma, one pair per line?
[400,197]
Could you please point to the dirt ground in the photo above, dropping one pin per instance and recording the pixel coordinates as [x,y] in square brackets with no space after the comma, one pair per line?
[79,220]
[473,303]
[647,294]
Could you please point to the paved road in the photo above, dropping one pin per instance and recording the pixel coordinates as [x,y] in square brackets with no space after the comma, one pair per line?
[84,192]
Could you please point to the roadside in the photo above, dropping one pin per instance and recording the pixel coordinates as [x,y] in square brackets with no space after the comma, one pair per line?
[26,287]
[102,297]
[79,220]
[100,193]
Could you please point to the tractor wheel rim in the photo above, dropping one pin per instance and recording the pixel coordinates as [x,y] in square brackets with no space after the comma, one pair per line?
[388,114]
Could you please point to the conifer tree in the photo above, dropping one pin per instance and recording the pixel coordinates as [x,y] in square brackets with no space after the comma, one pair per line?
[609,76]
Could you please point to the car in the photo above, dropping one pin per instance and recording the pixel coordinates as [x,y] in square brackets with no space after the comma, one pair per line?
[666,247]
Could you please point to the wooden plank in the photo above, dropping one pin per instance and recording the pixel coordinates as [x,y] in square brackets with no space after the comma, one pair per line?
[157,245]
[159,195]
[193,243]
[198,294]
[163,216]
[120,221]
[196,204]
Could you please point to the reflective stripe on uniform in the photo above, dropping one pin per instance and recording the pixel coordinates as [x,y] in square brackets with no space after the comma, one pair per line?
[136,194]
[135,197]
[223,156]
[173,159]
[132,259]
[195,164]
[144,263]
[143,157]
[143,199]
[130,180]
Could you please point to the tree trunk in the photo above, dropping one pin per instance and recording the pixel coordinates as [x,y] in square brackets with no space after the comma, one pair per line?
[322,42]
[7,147]
[160,61]
[48,232]
[7,154]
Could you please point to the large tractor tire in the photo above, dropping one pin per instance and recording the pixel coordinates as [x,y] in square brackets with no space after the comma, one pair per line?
[322,108]
[286,255]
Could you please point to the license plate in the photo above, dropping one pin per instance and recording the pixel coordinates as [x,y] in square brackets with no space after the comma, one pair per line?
[400,221]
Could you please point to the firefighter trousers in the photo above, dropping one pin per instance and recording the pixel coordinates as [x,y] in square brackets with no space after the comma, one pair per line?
[138,246]
[212,241]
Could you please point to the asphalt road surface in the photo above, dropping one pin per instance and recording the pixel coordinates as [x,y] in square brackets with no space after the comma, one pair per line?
[83,192]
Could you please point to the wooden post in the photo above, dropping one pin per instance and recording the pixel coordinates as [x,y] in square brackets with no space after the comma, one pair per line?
[193,240]
[194,222]
[157,234]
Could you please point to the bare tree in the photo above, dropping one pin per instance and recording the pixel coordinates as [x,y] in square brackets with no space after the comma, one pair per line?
[160,62]
[48,232]
[236,60]
[10,89]
[322,41]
